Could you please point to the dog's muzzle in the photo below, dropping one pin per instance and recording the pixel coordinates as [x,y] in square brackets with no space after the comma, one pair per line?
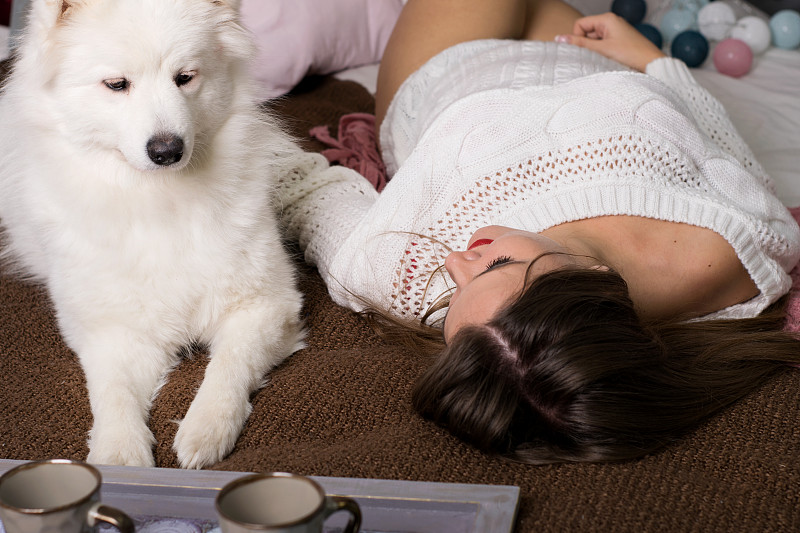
[165,149]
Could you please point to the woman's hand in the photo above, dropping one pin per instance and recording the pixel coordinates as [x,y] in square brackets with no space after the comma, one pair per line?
[611,36]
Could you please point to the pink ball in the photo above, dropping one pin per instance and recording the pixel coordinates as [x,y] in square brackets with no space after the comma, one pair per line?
[733,57]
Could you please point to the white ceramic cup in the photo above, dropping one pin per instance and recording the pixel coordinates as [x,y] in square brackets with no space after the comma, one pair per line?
[56,495]
[280,503]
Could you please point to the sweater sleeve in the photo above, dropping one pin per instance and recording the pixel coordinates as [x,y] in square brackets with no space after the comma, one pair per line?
[709,114]
[319,206]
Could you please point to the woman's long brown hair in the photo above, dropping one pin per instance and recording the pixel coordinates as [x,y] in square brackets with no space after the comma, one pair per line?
[569,372]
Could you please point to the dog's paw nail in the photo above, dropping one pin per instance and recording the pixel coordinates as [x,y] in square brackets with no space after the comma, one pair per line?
[122,457]
[205,440]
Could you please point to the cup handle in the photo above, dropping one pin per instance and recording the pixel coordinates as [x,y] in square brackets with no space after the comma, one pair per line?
[341,503]
[112,516]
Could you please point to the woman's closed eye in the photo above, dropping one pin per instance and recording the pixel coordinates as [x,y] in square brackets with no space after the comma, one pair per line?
[497,261]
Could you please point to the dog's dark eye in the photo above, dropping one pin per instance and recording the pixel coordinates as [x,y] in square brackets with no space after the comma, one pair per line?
[117,84]
[183,78]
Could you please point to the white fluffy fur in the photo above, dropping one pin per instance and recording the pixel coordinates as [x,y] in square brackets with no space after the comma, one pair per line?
[140,259]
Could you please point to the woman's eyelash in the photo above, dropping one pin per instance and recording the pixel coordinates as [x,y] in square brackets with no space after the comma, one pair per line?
[498,261]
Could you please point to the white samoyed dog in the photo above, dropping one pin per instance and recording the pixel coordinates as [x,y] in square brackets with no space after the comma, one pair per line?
[136,180]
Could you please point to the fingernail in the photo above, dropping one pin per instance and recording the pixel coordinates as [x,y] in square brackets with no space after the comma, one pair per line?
[562,38]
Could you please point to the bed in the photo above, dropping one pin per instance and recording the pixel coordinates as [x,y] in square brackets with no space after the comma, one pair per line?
[341,406]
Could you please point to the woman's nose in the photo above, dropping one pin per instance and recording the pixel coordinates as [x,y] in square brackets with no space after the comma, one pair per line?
[463,266]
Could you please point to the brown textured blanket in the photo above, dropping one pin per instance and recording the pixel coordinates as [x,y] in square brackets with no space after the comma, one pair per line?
[341,408]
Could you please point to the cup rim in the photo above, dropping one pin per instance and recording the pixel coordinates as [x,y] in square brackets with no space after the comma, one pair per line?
[244,480]
[33,464]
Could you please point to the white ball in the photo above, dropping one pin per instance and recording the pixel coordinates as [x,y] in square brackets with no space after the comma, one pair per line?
[753,31]
[715,20]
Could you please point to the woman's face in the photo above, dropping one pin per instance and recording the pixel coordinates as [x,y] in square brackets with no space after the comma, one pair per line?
[492,271]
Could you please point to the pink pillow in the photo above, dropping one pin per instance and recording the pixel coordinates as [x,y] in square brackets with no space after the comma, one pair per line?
[299,37]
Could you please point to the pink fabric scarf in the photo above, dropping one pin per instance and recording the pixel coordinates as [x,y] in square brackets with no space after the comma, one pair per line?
[356,147]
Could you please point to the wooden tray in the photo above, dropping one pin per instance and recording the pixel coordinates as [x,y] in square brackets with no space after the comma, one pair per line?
[162,499]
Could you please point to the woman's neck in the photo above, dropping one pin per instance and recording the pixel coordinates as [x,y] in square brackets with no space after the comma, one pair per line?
[672,269]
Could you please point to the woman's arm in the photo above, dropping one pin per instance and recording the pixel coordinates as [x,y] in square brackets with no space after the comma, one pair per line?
[319,205]
[709,115]
[611,36]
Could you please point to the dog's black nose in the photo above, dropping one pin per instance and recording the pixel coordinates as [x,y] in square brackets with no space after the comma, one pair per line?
[165,149]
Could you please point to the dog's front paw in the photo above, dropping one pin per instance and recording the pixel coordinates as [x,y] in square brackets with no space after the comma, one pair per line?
[121,448]
[208,432]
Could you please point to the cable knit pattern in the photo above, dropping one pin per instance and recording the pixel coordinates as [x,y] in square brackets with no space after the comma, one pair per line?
[710,115]
[532,135]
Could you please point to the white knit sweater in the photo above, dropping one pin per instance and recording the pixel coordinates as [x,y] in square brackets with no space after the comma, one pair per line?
[532,135]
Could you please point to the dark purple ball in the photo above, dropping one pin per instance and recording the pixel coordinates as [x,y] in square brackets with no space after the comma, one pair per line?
[690,47]
[652,33]
[631,10]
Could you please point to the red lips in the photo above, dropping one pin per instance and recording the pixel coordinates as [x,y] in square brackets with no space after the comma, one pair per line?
[480,242]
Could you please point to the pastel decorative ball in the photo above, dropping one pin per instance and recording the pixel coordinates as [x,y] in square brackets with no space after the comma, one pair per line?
[652,33]
[715,20]
[733,57]
[692,5]
[675,21]
[690,47]
[754,31]
[785,26]
[631,10]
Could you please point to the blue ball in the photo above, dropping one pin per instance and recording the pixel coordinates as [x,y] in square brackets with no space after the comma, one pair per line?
[677,20]
[652,33]
[631,10]
[690,47]
[785,26]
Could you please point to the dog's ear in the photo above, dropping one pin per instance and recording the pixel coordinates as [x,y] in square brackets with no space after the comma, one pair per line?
[65,7]
[233,37]
[232,4]
[60,9]
[39,43]
[45,14]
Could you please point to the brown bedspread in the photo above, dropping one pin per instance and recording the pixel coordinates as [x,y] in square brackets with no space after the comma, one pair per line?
[341,408]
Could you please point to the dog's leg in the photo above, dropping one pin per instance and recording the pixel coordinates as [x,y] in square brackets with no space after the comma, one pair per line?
[123,374]
[249,342]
